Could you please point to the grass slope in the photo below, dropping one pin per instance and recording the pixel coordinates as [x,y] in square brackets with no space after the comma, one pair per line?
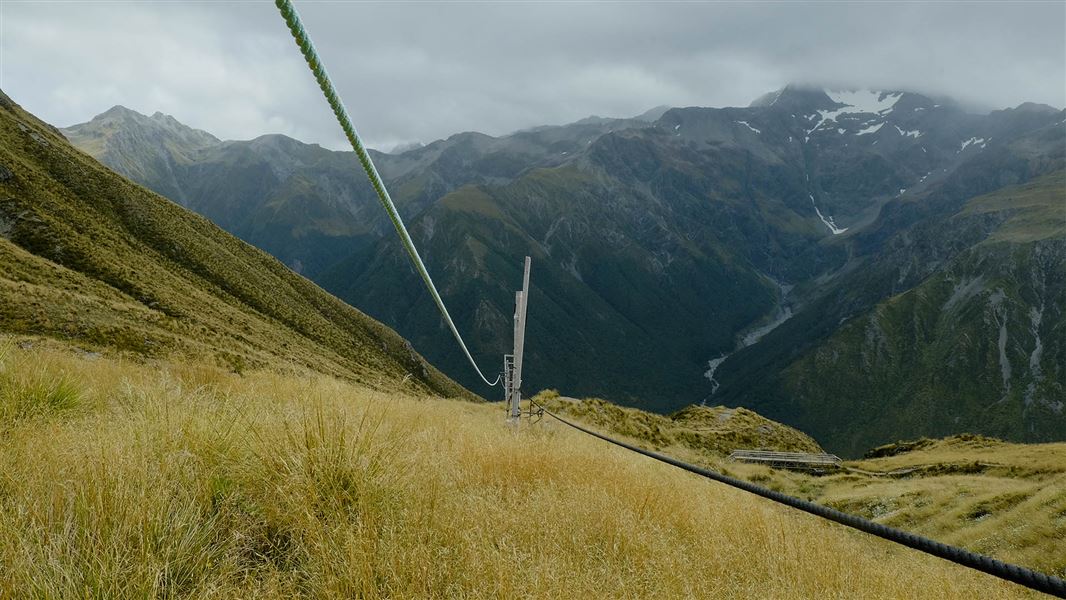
[1001,499]
[88,256]
[997,498]
[123,480]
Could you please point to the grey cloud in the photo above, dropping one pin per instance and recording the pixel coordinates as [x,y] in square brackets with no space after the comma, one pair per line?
[421,71]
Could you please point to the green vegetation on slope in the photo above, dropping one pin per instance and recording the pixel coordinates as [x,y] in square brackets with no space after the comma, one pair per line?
[609,288]
[185,481]
[952,325]
[660,239]
[713,432]
[979,346]
[87,256]
[1035,210]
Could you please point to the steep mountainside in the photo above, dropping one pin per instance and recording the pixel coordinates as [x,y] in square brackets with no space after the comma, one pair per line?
[87,256]
[674,240]
[916,237]
[977,345]
[666,249]
[612,288]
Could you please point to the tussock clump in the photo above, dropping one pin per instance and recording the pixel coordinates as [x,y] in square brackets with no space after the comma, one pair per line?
[32,391]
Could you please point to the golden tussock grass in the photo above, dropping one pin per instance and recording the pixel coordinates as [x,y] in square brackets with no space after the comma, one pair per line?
[997,498]
[133,481]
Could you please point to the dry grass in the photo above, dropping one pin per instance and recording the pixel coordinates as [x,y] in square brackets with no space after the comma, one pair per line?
[121,480]
[1001,499]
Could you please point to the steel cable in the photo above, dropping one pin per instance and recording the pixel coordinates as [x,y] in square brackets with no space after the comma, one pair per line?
[303,40]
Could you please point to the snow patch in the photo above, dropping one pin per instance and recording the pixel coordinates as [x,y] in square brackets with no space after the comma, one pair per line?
[974,140]
[745,123]
[912,133]
[871,129]
[829,222]
[855,103]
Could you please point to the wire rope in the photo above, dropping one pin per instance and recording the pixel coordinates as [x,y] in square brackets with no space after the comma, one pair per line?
[307,47]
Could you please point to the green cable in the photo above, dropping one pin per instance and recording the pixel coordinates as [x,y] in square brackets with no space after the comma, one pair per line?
[303,40]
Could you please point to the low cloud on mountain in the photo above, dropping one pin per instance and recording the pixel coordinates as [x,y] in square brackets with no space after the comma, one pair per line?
[418,72]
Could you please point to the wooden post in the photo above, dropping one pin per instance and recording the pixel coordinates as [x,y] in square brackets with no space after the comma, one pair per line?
[521,301]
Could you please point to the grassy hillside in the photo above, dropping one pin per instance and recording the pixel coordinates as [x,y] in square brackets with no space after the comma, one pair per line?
[89,257]
[124,480]
[1001,499]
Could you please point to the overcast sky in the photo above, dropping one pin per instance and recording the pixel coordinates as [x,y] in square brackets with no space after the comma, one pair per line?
[420,71]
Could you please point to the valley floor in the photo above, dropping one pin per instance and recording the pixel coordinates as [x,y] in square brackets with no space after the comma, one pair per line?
[123,479]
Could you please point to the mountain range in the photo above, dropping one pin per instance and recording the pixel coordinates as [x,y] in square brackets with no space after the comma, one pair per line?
[865,265]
